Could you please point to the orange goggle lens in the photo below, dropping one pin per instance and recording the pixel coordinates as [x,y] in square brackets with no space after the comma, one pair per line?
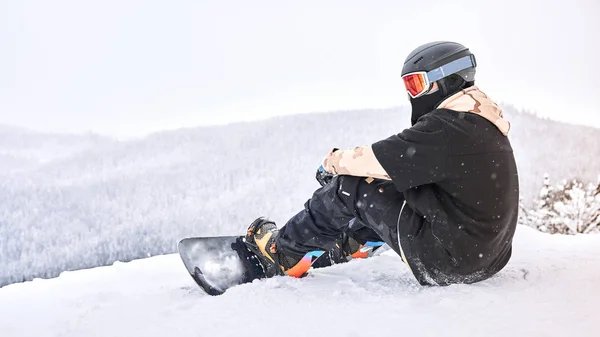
[415,84]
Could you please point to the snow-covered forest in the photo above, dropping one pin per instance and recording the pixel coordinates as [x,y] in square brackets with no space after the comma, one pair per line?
[571,207]
[76,201]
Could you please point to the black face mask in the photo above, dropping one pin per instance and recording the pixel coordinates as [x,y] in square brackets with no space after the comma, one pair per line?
[447,87]
[424,105]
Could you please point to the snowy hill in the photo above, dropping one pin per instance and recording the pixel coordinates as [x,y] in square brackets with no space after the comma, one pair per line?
[25,149]
[550,288]
[92,201]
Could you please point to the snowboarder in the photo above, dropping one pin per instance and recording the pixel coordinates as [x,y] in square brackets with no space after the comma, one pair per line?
[443,194]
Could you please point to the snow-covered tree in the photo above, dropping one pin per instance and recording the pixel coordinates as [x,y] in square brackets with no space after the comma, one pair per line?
[573,207]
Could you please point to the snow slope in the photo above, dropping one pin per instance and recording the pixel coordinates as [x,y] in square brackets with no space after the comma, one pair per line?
[550,288]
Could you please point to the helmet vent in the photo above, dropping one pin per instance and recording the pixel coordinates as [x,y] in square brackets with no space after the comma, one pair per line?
[418,60]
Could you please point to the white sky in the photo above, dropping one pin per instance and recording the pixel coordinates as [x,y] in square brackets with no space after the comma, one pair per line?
[128,67]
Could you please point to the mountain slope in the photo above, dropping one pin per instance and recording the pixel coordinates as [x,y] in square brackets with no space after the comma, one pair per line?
[548,289]
[127,200]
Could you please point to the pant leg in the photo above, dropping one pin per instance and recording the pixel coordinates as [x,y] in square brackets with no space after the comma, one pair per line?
[375,205]
[324,218]
[378,208]
[361,232]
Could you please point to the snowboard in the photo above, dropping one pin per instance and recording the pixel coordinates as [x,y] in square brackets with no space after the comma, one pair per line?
[221,262]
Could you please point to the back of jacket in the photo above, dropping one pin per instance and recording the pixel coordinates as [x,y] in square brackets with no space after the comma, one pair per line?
[462,195]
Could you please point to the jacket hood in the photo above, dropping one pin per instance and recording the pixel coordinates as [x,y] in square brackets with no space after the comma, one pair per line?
[473,100]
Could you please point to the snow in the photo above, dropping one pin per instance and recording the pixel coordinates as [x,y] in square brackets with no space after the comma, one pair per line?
[549,288]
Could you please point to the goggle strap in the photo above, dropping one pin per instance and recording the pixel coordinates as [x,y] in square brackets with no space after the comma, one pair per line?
[453,67]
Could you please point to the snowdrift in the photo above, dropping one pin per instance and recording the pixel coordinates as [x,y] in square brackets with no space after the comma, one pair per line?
[550,288]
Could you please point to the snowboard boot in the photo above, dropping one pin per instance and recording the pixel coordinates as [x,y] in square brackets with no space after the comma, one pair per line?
[261,239]
[357,250]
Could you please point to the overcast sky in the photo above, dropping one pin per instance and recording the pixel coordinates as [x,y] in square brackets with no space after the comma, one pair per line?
[129,67]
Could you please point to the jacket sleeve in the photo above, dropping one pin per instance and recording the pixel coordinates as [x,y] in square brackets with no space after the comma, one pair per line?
[360,162]
[416,156]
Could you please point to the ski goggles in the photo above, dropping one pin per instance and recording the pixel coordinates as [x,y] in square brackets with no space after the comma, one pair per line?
[419,83]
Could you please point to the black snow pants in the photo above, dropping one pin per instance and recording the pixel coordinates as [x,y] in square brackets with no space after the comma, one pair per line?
[366,209]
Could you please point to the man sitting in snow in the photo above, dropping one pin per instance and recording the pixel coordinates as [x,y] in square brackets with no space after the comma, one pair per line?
[443,194]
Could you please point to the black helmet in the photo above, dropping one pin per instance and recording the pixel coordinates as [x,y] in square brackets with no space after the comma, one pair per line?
[450,64]
[438,57]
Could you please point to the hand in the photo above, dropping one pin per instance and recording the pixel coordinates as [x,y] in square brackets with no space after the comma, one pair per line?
[323,177]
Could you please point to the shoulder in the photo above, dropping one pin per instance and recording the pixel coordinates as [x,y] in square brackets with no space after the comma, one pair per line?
[435,120]
[445,116]
[452,119]
[429,130]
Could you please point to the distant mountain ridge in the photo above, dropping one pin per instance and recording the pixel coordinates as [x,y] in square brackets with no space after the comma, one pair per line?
[21,148]
[71,202]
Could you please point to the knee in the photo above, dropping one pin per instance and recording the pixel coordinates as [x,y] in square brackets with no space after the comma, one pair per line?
[347,187]
[340,191]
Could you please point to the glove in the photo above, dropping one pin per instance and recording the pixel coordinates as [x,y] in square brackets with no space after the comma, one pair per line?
[323,177]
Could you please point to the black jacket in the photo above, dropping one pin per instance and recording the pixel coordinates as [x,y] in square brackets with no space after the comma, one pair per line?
[459,178]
